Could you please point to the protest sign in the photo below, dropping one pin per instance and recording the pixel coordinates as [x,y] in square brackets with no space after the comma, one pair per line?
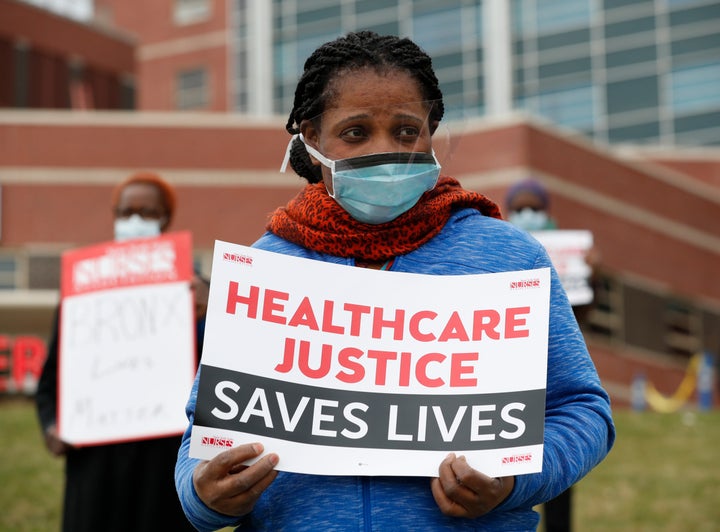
[127,347]
[353,371]
[567,250]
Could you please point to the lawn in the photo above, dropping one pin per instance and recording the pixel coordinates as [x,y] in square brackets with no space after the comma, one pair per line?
[662,475]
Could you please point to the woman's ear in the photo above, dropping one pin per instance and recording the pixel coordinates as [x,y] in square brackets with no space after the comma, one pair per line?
[311,135]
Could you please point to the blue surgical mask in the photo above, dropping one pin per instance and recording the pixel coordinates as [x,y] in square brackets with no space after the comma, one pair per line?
[529,219]
[136,227]
[379,187]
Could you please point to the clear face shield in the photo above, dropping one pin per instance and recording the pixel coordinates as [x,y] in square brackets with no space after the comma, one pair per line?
[378,161]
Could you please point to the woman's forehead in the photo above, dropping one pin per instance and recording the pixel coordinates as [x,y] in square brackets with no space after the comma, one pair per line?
[140,192]
[370,89]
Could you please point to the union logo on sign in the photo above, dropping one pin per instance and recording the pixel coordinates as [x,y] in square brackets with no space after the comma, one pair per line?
[216,441]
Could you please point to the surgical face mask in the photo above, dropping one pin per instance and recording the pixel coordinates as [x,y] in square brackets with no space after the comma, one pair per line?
[136,227]
[529,219]
[379,187]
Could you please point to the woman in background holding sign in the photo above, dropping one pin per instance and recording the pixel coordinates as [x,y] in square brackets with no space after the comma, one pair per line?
[120,486]
[528,207]
[365,110]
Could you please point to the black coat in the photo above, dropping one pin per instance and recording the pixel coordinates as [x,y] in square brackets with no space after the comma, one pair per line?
[116,487]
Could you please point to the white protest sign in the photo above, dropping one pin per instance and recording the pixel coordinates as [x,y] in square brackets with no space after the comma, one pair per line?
[127,346]
[567,250]
[353,371]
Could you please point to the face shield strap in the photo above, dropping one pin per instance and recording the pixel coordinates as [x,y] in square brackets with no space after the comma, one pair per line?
[286,158]
[319,156]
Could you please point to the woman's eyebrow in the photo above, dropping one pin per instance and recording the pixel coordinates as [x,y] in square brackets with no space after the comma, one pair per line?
[369,115]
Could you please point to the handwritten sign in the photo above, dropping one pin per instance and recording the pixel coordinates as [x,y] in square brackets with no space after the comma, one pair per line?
[567,250]
[353,371]
[127,356]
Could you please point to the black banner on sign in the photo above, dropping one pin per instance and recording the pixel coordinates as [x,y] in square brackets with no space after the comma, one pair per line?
[300,413]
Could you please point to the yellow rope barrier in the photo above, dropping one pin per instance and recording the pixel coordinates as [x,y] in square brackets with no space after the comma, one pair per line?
[667,404]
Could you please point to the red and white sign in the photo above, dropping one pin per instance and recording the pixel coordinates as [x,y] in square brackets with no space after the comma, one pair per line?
[127,340]
[352,371]
[568,250]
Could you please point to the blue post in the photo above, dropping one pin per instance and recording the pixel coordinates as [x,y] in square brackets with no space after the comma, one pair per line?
[705,380]
[637,393]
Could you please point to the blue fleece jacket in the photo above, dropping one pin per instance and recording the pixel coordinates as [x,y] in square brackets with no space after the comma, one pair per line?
[579,430]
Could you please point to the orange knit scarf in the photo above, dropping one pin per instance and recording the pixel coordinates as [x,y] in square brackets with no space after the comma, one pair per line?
[315,220]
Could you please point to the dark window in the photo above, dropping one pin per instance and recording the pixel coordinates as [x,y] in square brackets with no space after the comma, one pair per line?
[44,272]
[565,39]
[450,88]
[127,95]
[447,60]
[697,14]
[610,4]
[629,27]
[711,331]
[22,88]
[632,94]
[705,43]
[631,56]
[315,15]
[386,28]
[683,326]
[644,315]
[560,68]
[635,133]
[695,122]
[373,5]
[518,47]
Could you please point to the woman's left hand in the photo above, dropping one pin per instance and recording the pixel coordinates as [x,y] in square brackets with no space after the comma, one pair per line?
[461,491]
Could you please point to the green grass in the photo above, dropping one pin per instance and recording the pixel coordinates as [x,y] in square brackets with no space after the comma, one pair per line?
[662,475]
[30,478]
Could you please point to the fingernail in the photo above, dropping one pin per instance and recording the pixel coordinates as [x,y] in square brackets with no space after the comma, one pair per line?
[258,447]
[274,459]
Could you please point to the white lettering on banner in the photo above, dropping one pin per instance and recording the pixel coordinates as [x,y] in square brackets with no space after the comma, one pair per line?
[124,266]
[328,415]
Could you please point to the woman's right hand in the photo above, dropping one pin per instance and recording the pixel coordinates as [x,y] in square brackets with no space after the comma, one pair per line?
[228,486]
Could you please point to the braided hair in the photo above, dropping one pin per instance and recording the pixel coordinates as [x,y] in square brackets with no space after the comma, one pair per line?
[354,51]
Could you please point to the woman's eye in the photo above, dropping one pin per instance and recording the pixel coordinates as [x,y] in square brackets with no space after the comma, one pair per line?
[408,131]
[353,133]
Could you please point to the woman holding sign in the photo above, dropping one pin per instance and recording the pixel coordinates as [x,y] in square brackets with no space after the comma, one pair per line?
[365,111]
[127,485]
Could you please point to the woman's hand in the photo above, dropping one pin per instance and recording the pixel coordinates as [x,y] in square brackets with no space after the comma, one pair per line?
[54,444]
[228,486]
[201,291]
[461,491]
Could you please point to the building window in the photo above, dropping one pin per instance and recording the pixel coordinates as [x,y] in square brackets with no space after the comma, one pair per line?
[696,87]
[605,318]
[638,133]
[191,11]
[632,94]
[553,16]
[569,106]
[8,269]
[438,31]
[43,272]
[191,91]
[683,328]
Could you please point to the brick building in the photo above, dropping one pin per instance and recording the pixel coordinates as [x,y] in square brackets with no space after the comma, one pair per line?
[652,212]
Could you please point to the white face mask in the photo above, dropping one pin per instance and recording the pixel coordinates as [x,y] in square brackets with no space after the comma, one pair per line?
[529,220]
[136,227]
